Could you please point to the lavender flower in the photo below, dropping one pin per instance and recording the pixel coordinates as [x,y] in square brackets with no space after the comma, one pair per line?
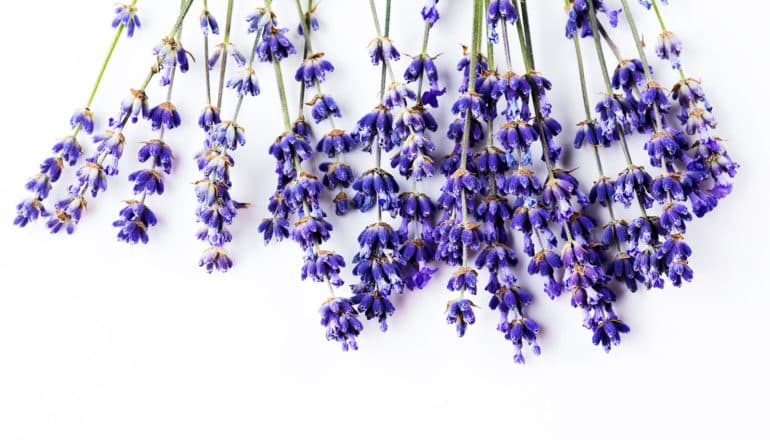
[460,313]
[342,325]
[125,15]
[208,23]
[669,47]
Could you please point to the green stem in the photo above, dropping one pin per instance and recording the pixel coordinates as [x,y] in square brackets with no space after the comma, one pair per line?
[582,71]
[522,39]
[225,43]
[103,69]
[637,40]
[587,107]
[423,55]
[383,77]
[527,33]
[659,15]
[608,85]
[304,18]
[206,59]
[490,46]
[474,55]
[282,94]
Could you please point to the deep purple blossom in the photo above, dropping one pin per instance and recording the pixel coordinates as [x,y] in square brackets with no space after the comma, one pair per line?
[164,115]
[313,70]
[83,118]
[342,325]
[208,23]
[460,313]
[133,221]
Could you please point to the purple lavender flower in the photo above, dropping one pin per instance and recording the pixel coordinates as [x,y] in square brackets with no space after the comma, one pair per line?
[628,75]
[171,56]
[607,332]
[460,313]
[464,279]
[339,318]
[324,266]
[324,107]
[274,46]
[209,118]
[379,267]
[227,134]
[430,12]
[164,115]
[134,221]
[235,54]
[133,106]
[313,70]
[579,19]
[669,47]
[381,49]
[501,10]
[245,83]
[69,150]
[126,15]
[208,23]
[83,118]
[376,126]
[376,187]
[633,183]
[215,258]
[158,153]
[336,175]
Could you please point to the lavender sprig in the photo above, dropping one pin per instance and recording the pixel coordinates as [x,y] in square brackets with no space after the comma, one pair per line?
[585,278]
[414,160]
[209,116]
[656,243]
[378,264]
[710,155]
[500,172]
[216,208]
[136,217]
[68,151]
[456,235]
[298,197]
[311,74]
[104,162]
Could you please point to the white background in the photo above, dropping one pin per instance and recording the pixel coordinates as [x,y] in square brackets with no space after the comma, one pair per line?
[100,340]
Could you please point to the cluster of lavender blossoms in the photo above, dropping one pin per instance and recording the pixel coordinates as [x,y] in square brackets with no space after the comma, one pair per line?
[506,195]
[696,172]
[91,178]
[216,208]
[492,178]
[69,151]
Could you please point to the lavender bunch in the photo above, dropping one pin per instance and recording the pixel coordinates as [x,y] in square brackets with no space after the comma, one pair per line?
[558,200]
[216,208]
[92,176]
[456,235]
[655,245]
[68,151]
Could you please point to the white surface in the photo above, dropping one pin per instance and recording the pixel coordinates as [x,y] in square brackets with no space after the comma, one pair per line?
[99,340]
